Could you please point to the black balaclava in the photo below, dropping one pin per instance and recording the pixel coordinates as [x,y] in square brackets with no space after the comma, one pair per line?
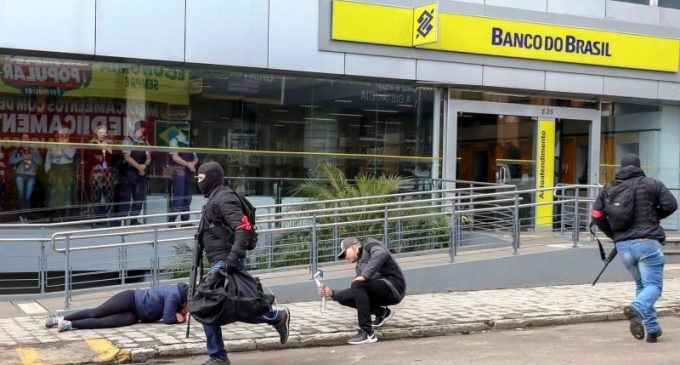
[630,159]
[214,177]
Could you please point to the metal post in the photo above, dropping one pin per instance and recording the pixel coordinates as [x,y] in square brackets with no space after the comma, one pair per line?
[270,250]
[386,229]
[42,276]
[515,224]
[453,239]
[336,232]
[400,235]
[312,252]
[124,260]
[563,214]
[156,266]
[67,274]
[577,220]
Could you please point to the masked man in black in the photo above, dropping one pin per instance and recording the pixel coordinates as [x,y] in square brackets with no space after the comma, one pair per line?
[226,232]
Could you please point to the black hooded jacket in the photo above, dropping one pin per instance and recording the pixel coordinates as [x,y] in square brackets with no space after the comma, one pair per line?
[224,233]
[376,263]
[653,202]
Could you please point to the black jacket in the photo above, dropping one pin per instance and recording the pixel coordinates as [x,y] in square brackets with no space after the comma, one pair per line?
[376,263]
[223,235]
[653,202]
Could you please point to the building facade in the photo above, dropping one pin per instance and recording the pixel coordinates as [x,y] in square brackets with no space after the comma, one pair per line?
[531,92]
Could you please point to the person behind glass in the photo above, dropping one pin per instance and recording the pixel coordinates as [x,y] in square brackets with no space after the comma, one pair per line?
[182,167]
[166,302]
[135,179]
[101,175]
[379,283]
[225,233]
[639,246]
[25,160]
[60,174]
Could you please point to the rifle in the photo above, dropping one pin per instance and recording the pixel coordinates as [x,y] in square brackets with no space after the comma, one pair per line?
[607,260]
[196,264]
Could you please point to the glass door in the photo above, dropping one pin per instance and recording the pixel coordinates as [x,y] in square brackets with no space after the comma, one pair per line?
[528,146]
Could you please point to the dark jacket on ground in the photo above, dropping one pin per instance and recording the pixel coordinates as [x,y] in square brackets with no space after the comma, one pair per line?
[376,263]
[158,303]
[653,202]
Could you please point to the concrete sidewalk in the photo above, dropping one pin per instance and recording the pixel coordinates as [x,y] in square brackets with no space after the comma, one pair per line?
[24,340]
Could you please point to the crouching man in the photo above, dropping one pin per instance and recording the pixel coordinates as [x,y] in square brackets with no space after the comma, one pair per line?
[379,283]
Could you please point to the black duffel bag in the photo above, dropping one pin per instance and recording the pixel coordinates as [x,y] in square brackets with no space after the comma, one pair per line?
[223,298]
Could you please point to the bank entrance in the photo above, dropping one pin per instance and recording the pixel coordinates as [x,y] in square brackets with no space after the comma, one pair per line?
[529,146]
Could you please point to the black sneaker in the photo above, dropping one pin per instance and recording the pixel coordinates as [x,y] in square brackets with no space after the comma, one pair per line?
[217,361]
[637,329]
[382,318]
[283,326]
[652,336]
[362,337]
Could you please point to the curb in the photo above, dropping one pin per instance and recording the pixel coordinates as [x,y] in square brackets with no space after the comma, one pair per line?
[340,338]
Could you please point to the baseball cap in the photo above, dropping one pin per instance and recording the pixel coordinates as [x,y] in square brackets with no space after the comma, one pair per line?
[345,244]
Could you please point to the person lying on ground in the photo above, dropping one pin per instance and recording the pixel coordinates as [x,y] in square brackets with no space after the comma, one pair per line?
[167,303]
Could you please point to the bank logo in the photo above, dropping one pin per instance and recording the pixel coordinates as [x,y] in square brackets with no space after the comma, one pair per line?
[425,24]
[425,21]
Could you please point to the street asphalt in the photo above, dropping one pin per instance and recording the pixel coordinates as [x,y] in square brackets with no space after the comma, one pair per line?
[24,340]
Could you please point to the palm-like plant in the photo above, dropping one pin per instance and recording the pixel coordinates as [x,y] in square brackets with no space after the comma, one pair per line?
[334,185]
[330,183]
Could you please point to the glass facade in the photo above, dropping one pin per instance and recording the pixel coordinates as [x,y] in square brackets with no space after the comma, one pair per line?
[649,130]
[108,138]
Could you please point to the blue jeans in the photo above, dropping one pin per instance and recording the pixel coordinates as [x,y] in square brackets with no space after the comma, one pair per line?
[25,185]
[644,260]
[180,194]
[213,333]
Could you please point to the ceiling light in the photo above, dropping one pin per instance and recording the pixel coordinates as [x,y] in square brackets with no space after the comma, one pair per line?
[346,115]
[322,119]
[382,110]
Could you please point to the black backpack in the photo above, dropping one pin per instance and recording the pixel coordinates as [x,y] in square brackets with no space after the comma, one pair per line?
[619,203]
[249,211]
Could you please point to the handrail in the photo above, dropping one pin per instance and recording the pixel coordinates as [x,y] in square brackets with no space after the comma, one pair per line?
[305,233]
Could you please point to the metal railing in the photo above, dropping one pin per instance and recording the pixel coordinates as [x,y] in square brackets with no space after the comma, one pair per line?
[305,235]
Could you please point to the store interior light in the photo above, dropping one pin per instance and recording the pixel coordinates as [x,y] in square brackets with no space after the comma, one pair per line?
[346,115]
[321,119]
[382,110]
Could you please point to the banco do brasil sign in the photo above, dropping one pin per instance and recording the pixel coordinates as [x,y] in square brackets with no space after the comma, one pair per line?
[397,26]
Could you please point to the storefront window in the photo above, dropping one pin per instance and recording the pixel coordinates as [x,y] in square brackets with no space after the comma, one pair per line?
[104,139]
[649,130]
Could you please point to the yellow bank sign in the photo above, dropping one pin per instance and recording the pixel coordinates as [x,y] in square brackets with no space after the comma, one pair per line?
[425,27]
[545,171]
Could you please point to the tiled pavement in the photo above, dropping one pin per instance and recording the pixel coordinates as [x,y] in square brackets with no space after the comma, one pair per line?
[417,315]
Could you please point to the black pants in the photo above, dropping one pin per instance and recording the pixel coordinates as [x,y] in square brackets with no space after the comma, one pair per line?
[134,187]
[120,310]
[368,298]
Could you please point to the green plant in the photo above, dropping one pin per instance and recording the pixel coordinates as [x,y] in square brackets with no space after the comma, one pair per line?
[182,262]
[330,183]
